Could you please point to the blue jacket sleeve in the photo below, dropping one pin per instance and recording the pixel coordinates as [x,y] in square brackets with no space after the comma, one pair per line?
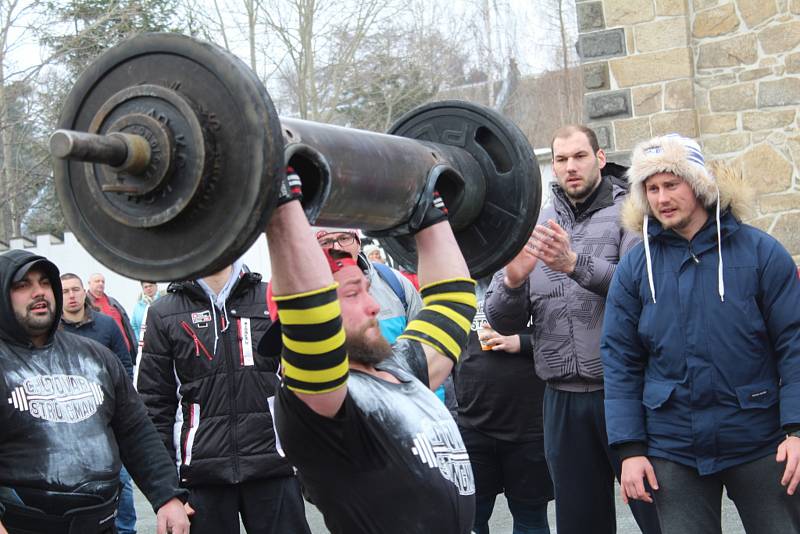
[779,300]
[624,360]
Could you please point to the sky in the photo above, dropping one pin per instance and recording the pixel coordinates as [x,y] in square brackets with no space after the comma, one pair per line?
[524,29]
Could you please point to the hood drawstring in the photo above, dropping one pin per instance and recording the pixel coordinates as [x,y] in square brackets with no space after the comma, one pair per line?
[649,261]
[720,279]
[216,328]
[223,319]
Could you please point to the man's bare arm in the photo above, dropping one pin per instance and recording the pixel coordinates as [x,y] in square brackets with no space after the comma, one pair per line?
[439,259]
[300,272]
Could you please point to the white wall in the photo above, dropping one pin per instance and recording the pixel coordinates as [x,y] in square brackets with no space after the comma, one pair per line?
[70,256]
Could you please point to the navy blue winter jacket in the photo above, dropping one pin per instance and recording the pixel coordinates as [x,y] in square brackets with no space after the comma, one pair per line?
[104,330]
[705,383]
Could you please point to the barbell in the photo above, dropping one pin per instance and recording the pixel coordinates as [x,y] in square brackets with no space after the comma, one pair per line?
[169,155]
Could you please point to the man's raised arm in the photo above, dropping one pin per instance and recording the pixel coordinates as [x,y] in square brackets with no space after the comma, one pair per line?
[314,358]
[448,295]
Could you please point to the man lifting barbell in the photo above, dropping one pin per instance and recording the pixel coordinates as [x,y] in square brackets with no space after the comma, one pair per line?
[165,136]
[375,448]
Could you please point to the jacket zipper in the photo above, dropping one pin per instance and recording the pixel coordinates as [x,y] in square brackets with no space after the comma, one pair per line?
[695,258]
[568,223]
[198,345]
[226,347]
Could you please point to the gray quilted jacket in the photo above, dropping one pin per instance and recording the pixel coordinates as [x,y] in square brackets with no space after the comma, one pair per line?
[567,311]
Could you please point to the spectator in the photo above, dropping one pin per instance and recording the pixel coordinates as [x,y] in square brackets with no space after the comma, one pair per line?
[149,295]
[374,254]
[71,420]
[79,318]
[208,392]
[701,350]
[500,419]
[559,281]
[412,278]
[111,307]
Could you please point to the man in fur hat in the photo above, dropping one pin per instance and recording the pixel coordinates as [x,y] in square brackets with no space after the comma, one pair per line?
[701,351]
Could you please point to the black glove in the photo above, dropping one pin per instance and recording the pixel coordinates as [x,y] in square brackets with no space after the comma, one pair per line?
[291,188]
[429,211]
[436,212]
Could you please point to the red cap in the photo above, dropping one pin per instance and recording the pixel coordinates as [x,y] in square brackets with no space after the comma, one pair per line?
[340,262]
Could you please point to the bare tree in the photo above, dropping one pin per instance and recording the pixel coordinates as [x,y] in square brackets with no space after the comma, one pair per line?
[567,61]
[15,125]
[397,71]
[319,41]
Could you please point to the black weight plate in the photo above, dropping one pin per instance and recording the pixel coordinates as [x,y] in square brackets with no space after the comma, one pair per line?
[243,160]
[511,173]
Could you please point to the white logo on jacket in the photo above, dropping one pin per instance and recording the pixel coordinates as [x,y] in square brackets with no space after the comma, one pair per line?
[58,398]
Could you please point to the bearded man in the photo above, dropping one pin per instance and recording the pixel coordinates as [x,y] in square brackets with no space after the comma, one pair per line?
[71,419]
[374,447]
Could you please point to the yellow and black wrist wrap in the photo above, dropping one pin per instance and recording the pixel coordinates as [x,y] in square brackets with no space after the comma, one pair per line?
[445,320]
[314,357]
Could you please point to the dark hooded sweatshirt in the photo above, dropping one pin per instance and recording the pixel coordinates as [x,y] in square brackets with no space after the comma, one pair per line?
[69,414]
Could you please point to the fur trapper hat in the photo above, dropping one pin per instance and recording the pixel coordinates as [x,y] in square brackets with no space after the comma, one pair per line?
[674,154]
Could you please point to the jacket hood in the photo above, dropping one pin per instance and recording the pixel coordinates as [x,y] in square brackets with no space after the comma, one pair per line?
[617,174]
[11,262]
[192,289]
[735,195]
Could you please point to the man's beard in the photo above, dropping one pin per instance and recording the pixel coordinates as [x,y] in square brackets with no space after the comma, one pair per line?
[676,225]
[592,179]
[581,194]
[36,325]
[367,351]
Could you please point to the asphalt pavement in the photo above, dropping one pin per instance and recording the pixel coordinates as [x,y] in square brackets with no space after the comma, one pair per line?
[500,522]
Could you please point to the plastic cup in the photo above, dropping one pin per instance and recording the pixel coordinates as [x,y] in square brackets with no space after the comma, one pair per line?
[485,333]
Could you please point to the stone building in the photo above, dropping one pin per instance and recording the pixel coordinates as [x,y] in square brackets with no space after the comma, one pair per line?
[725,72]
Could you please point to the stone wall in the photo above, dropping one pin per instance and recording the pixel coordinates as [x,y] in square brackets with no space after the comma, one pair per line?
[725,72]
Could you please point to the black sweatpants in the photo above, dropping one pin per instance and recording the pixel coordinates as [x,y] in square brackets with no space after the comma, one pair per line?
[583,466]
[269,506]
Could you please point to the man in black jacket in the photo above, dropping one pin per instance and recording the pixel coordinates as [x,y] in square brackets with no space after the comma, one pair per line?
[80,318]
[500,418]
[70,419]
[208,392]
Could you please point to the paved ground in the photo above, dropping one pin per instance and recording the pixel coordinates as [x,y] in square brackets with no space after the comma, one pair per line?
[500,522]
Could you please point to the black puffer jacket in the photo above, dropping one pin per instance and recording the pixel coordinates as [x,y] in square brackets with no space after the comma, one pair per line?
[68,412]
[211,405]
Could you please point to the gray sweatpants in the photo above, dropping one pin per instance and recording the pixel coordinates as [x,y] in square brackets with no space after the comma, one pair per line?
[688,503]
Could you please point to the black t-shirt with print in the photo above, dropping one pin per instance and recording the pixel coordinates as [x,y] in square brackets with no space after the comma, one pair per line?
[499,393]
[391,461]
